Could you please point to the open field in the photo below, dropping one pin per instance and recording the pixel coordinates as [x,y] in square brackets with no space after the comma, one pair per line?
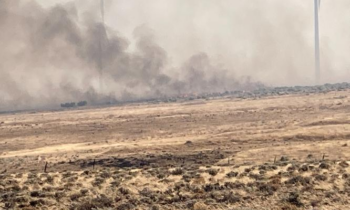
[287,152]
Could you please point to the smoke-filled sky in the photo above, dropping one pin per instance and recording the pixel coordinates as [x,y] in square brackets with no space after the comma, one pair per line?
[53,51]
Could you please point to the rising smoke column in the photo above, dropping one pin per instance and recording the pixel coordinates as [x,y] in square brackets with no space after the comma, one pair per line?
[50,56]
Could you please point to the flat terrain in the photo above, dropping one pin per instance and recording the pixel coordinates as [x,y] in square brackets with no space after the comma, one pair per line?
[287,152]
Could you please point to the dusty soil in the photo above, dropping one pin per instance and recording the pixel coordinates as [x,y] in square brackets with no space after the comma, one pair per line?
[287,152]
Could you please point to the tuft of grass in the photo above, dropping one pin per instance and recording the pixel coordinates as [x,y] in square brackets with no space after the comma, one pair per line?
[299,180]
[177,172]
[125,206]
[124,191]
[213,172]
[294,199]
[232,174]
[324,166]
[344,164]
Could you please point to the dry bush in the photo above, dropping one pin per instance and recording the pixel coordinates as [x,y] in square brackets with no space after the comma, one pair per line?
[187,177]
[49,179]
[84,191]
[155,207]
[212,187]
[230,198]
[36,194]
[38,202]
[59,195]
[256,176]
[284,159]
[299,180]
[324,166]
[177,171]
[234,185]
[213,172]
[276,179]
[321,177]
[72,179]
[19,175]
[75,196]
[247,170]
[294,199]
[14,188]
[125,206]
[232,174]
[161,175]
[241,175]
[268,189]
[98,181]
[67,174]
[303,168]
[124,191]
[102,202]
[21,199]
[105,174]
[115,183]
[344,164]
[345,175]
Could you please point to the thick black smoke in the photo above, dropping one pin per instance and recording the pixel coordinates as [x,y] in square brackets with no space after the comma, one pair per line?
[49,56]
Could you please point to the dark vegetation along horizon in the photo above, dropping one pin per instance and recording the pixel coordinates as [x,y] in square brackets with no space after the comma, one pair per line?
[257,91]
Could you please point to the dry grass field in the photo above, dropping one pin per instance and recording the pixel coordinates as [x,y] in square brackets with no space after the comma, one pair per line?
[288,152]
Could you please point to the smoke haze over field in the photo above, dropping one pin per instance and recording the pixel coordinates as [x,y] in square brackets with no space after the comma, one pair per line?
[52,51]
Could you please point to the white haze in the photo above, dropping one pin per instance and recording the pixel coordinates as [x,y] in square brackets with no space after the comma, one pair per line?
[221,41]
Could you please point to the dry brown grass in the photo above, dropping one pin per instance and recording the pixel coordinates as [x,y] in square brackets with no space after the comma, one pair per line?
[221,154]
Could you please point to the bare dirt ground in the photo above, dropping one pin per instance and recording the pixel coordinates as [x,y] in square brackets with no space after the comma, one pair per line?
[288,152]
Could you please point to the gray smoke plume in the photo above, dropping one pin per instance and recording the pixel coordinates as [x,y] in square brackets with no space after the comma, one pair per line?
[54,54]
[49,56]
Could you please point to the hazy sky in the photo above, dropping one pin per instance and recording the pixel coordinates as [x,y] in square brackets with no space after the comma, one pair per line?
[227,28]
